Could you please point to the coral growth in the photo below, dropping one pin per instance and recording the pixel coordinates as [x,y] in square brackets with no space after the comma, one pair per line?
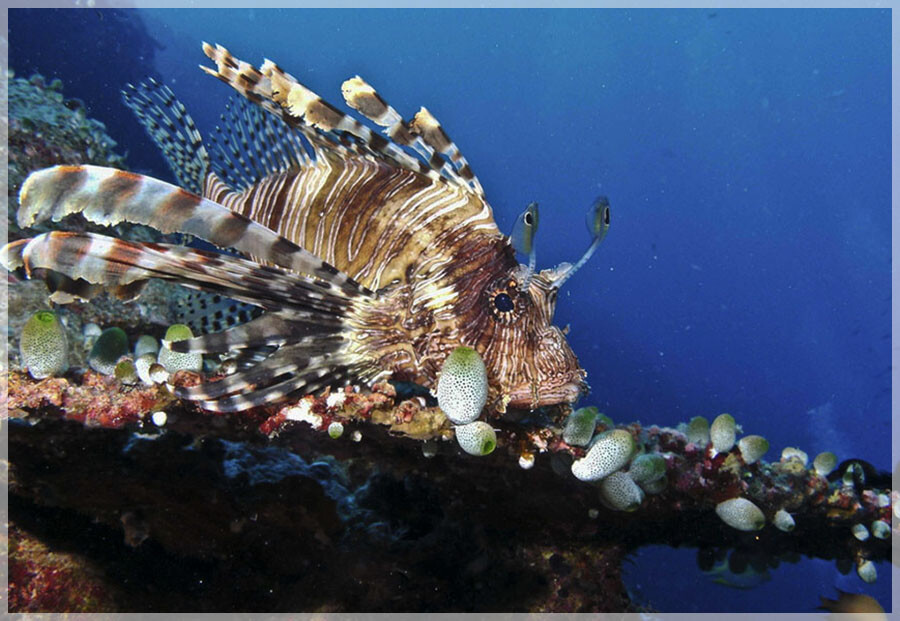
[46,129]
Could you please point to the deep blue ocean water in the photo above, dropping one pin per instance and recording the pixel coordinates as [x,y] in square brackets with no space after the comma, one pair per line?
[746,155]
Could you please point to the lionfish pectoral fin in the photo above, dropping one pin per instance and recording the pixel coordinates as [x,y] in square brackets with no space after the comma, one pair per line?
[305,321]
[271,329]
[281,380]
[108,196]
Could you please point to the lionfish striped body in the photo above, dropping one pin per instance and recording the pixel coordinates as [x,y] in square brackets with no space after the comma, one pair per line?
[368,262]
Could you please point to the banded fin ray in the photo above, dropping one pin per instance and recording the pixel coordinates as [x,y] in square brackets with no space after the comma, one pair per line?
[252,145]
[102,260]
[293,360]
[172,129]
[424,133]
[282,94]
[108,196]
[311,341]
[270,329]
[310,382]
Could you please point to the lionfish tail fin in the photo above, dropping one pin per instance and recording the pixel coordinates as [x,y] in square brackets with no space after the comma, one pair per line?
[172,129]
[108,196]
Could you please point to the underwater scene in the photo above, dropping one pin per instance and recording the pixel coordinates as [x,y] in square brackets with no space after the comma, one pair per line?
[372,310]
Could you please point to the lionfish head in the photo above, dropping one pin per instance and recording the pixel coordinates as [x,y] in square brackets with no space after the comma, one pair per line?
[538,367]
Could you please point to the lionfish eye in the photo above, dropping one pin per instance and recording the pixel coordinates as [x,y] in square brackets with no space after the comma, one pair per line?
[503,303]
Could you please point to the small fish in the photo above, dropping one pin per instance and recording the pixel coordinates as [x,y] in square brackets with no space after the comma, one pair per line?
[369,257]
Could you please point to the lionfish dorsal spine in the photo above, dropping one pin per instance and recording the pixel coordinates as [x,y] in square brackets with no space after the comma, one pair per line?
[423,134]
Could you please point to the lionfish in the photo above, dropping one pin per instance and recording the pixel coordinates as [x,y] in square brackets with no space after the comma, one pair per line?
[370,257]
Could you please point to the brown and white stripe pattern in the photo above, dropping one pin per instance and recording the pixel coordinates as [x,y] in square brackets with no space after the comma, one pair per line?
[368,261]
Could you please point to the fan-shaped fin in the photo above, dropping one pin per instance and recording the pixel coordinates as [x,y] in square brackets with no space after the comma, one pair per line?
[102,260]
[252,145]
[108,196]
[172,129]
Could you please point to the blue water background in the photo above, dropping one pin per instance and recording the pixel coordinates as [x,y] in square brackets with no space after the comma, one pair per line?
[746,155]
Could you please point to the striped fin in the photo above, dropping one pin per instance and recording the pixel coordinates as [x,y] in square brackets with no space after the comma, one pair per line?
[281,93]
[207,312]
[294,360]
[309,327]
[424,134]
[172,129]
[252,145]
[108,196]
[101,260]
[270,329]
[309,382]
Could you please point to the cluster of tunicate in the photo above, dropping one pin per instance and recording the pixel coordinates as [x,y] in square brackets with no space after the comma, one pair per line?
[647,468]
[722,433]
[477,438]
[783,521]
[620,492]
[609,452]
[825,463]
[622,477]
[109,347]
[43,346]
[462,386]
[335,430]
[791,453]
[752,448]
[697,431]
[580,426]
[741,514]
[866,571]
[176,361]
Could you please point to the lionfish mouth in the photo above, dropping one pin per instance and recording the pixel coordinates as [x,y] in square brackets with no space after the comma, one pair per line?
[526,397]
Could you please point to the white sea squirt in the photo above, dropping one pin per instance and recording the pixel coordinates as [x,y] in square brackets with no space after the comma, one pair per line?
[462,387]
